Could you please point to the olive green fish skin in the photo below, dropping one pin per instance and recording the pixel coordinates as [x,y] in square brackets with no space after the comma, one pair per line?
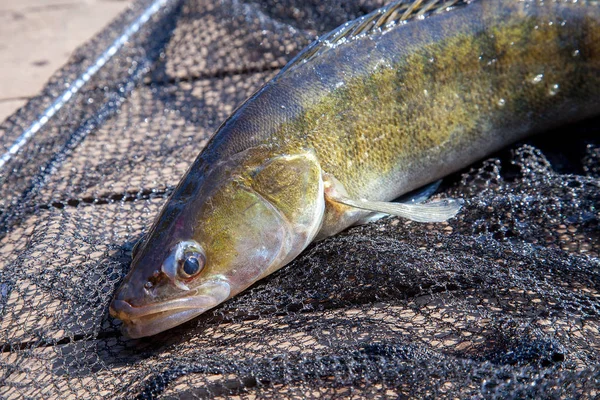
[389,112]
[380,114]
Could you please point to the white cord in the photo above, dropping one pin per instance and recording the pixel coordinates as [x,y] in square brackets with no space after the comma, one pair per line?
[78,83]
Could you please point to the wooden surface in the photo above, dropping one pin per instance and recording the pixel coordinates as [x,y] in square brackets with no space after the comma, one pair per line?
[37,37]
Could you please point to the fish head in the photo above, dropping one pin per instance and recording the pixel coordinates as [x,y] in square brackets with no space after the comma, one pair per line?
[249,216]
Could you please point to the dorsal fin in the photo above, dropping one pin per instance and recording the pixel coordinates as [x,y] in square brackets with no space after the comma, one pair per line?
[377,21]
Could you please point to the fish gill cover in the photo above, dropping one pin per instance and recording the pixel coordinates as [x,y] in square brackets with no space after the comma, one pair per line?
[501,301]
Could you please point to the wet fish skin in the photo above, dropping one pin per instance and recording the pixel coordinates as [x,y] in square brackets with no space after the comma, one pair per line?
[371,117]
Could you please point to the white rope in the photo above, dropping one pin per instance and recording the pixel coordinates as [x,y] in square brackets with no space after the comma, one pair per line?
[78,83]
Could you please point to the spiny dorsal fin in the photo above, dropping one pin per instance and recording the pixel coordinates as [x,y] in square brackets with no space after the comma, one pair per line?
[377,21]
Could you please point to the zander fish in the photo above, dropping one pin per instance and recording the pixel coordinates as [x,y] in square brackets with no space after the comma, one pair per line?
[380,106]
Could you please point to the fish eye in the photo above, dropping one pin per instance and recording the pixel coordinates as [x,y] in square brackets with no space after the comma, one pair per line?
[192,265]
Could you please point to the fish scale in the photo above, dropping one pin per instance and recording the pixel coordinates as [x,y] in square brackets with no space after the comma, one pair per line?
[380,106]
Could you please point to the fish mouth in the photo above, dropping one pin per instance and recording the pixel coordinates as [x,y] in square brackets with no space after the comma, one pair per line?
[154,318]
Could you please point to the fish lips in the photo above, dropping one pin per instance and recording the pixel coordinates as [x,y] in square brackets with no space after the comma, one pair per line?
[154,318]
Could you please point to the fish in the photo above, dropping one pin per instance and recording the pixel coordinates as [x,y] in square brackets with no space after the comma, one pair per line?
[379,107]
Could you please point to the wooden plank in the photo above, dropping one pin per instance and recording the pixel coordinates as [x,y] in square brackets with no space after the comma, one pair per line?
[150,143]
[71,371]
[225,37]
[228,36]
[60,267]
[38,36]
[9,106]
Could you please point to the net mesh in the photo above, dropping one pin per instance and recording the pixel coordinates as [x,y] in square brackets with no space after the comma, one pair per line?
[502,301]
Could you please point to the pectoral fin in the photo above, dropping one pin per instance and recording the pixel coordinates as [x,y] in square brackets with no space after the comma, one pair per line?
[341,211]
[436,211]
[411,208]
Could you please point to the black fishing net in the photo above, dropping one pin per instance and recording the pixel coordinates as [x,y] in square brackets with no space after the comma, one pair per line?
[502,301]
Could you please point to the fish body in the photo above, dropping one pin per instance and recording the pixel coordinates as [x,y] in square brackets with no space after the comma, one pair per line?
[381,106]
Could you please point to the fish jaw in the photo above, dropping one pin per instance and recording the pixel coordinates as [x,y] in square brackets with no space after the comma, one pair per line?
[151,319]
[254,213]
